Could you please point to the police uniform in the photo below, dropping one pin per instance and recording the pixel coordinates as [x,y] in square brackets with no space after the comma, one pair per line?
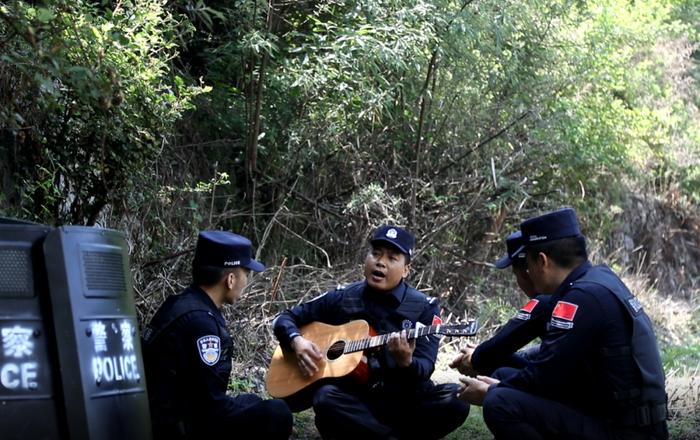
[529,323]
[395,398]
[598,372]
[396,401]
[187,354]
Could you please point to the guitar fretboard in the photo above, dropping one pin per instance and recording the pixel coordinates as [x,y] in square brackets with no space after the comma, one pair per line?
[376,341]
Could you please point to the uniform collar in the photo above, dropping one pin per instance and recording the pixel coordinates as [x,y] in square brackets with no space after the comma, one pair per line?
[575,274]
[395,295]
[202,296]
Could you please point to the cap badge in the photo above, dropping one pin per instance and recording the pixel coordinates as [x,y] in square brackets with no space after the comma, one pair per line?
[391,233]
[232,263]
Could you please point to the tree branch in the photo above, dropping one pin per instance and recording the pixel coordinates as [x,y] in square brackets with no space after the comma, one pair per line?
[482,143]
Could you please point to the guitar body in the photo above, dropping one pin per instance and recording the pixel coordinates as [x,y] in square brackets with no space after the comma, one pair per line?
[284,377]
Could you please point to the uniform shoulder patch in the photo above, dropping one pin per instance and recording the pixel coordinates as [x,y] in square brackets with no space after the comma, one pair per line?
[634,304]
[563,315]
[209,348]
[525,311]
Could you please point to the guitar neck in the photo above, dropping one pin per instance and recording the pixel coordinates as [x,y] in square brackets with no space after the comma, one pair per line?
[376,341]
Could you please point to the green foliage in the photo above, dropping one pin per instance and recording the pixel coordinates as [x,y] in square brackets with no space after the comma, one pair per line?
[240,385]
[473,428]
[305,124]
[685,357]
[499,105]
[304,427]
[88,100]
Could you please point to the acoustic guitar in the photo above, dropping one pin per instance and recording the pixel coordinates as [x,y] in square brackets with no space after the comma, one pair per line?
[342,347]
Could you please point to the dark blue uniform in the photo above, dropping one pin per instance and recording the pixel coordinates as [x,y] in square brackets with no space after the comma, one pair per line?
[501,349]
[597,374]
[398,402]
[187,353]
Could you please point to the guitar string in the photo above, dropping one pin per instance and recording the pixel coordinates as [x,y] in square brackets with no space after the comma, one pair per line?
[376,341]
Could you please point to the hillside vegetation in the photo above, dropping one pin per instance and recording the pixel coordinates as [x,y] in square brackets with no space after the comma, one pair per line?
[305,124]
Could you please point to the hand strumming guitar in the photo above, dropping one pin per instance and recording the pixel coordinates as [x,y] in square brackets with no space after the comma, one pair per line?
[401,348]
[308,355]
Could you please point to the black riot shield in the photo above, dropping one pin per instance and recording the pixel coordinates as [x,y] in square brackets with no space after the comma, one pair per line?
[30,400]
[97,334]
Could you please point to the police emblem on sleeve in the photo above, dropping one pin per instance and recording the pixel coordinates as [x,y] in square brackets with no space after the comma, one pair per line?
[209,348]
[563,315]
[526,311]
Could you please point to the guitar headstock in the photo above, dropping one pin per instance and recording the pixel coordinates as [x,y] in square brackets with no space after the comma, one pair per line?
[466,329]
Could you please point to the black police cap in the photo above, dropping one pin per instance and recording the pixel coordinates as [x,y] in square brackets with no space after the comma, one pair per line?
[225,249]
[551,226]
[514,250]
[398,237]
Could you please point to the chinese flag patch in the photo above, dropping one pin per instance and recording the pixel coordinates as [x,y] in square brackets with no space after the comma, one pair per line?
[564,310]
[436,320]
[530,306]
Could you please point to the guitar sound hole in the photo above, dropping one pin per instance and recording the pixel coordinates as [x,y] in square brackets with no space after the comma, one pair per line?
[335,350]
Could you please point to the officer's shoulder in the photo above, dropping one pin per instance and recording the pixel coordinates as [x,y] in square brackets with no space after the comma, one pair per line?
[176,306]
[586,286]
[421,296]
[349,286]
[339,290]
[198,319]
[543,301]
[584,295]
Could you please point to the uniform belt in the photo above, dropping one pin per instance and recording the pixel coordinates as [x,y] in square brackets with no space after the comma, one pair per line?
[643,415]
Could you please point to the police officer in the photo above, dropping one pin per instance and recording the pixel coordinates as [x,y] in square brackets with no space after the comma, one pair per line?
[399,400]
[529,323]
[598,373]
[187,353]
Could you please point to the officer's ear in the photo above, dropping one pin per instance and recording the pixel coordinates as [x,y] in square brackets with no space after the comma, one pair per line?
[406,267]
[230,279]
[543,261]
[536,261]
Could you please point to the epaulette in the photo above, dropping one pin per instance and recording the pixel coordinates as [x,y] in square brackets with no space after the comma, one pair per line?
[317,297]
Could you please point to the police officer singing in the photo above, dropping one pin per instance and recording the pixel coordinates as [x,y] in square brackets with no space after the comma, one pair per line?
[187,353]
[398,400]
[598,373]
